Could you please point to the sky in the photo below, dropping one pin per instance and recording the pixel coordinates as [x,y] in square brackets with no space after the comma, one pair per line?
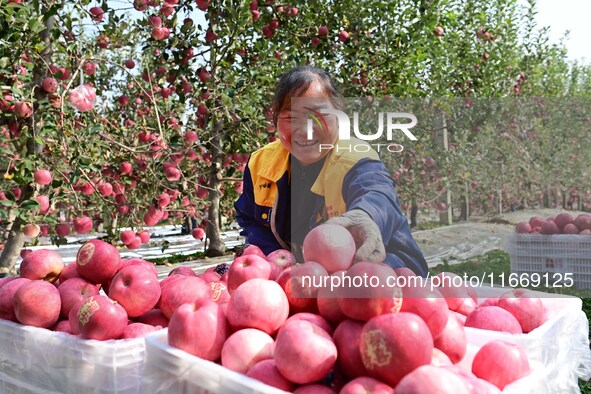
[563,15]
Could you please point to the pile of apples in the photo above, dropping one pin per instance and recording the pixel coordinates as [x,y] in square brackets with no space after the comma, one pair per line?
[100,296]
[562,223]
[264,321]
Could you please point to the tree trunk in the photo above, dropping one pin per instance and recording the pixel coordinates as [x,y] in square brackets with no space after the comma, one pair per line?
[500,202]
[14,244]
[547,198]
[216,245]
[465,212]
[414,209]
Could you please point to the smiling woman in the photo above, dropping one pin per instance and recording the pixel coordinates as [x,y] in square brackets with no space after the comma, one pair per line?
[295,184]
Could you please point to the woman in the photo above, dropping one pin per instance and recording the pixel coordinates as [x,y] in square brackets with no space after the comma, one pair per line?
[310,176]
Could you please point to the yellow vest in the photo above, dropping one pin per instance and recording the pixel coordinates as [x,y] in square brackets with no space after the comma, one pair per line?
[268,164]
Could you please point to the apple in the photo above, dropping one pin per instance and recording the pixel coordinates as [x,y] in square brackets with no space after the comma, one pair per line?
[493,318]
[330,245]
[7,292]
[37,303]
[83,97]
[219,292]
[68,272]
[62,229]
[42,264]
[452,287]
[32,230]
[25,252]
[245,348]
[200,330]
[347,338]
[304,353]
[97,261]
[525,306]
[583,221]
[301,283]
[438,31]
[144,236]
[500,363]
[314,389]
[343,35]
[563,219]
[474,384]
[125,168]
[210,275]
[431,379]
[185,289]
[100,318]
[549,227]
[328,303]
[43,204]
[83,225]
[523,228]
[366,385]
[253,249]
[63,326]
[130,64]
[258,303]
[73,290]
[97,14]
[154,317]
[136,288]
[138,330]
[440,359]
[43,177]
[182,270]
[137,261]
[570,229]
[394,344]
[312,318]
[23,109]
[127,236]
[429,305]
[466,307]
[5,280]
[266,371]
[536,221]
[281,258]
[247,267]
[49,84]
[452,340]
[360,300]
[323,31]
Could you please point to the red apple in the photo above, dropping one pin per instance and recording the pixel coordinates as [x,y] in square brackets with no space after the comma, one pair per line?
[49,84]
[563,219]
[83,225]
[525,306]
[343,35]
[245,348]
[301,283]
[97,261]
[361,299]
[219,292]
[7,292]
[63,326]
[62,229]
[429,305]
[549,227]
[73,290]
[304,352]
[440,359]
[184,290]
[347,338]
[500,363]
[452,340]
[583,221]
[154,317]
[312,318]
[570,229]
[366,385]
[536,221]
[323,31]
[198,233]
[493,318]
[523,228]
[394,344]
[182,270]
[37,303]
[100,318]
[328,304]
[247,267]
[253,249]
[42,264]
[137,261]
[330,245]
[200,330]
[70,271]
[129,63]
[281,258]
[136,288]
[138,330]
[32,230]
[266,371]
[127,236]
[258,303]
[431,379]
[42,177]
[314,389]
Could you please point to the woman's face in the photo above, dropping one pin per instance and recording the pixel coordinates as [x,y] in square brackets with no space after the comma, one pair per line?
[292,125]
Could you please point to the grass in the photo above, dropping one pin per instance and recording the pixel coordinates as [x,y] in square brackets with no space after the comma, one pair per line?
[497,263]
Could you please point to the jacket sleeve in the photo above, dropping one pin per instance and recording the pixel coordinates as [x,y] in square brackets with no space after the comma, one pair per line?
[369,187]
[256,233]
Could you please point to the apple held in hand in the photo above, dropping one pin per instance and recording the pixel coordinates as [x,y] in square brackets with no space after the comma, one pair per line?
[500,363]
[331,246]
[42,264]
[200,330]
[136,288]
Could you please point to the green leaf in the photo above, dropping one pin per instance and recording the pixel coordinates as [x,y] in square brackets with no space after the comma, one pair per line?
[6,203]
[30,205]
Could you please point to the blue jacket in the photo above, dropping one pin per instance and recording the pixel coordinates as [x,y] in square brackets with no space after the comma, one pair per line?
[347,181]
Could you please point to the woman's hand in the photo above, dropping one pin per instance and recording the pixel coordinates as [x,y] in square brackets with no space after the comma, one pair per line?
[366,234]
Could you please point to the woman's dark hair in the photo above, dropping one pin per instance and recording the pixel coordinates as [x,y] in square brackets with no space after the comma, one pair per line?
[297,81]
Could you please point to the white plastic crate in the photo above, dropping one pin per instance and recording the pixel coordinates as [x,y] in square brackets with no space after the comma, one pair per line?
[171,370]
[560,345]
[553,254]
[35,360]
